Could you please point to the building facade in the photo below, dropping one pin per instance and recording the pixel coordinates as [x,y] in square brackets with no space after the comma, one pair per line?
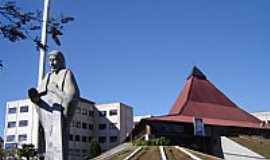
[263,116]
[108,124]
[21,124]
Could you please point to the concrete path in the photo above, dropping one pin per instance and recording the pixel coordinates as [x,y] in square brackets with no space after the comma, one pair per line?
[109,153]
[235,151]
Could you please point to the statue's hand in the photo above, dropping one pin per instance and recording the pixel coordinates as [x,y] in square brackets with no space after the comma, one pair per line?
[34,95]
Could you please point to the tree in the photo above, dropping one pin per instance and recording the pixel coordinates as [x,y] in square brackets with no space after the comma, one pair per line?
[95,149]
[17,25]
[2,153]
[28,151]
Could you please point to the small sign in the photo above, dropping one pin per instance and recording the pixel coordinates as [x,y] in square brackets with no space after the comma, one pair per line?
[198,126]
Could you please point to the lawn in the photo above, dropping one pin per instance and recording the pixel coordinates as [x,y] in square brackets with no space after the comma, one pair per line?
[173,153]
[257,144]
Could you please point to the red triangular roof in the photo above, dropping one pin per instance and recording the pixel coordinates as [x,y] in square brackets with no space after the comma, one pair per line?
[200,98]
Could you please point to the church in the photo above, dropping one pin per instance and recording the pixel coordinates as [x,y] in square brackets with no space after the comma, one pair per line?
[200,115]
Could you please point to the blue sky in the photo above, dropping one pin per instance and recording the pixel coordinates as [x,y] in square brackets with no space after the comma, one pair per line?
[140,52]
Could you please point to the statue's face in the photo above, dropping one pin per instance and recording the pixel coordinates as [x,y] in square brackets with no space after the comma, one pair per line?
[55,63]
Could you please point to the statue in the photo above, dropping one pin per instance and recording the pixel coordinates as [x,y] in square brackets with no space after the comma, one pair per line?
[56,98]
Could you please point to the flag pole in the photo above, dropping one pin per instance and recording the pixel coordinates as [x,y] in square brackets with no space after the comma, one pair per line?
[42,62]
[42,50]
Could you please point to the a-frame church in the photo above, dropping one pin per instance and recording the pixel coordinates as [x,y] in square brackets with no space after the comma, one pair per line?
[199,116]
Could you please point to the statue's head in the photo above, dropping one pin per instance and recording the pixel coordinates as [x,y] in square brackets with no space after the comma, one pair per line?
[56,60]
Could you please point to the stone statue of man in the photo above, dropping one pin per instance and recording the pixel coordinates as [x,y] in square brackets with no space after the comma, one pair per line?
[57,98]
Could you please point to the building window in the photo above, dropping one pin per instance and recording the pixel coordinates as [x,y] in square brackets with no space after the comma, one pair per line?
[84,139]
[91,126]
[113,139]
[102,139]
[77,138]
[90,139]
[102,126]
[113,125]
[84,125]
[12,110]
[22,137]
[71,137]
[23,109]
[11,124]
[78,124]
[9,146]
[113,112]
[84,151]
[84,111]
[102,113]
[23,123]
[78,110]
[10,138]
[73,124]
[91,113]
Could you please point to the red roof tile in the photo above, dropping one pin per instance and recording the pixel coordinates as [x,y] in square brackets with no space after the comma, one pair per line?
[200,98]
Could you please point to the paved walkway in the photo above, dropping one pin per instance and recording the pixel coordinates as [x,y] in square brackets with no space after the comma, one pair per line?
[109,153]
[235,151]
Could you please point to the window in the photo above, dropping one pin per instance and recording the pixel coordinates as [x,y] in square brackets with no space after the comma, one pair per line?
[102,126]
[113,112]
[77,138]
[91,113]
[84,111]
[113,139]
[91,126]
[71,137]
[73,124]
[84,138]
[11,124]
[84,150]
[113,125]
[9,146]
[23,123]
[102,113]
[102,139]
[22,137]
[84,125]
[12,110]
[10,138]
[78,124]
[90,139]
[23,109]
[78,110]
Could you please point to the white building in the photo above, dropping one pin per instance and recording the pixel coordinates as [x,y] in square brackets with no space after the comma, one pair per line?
[264,116]
[20,123]
[114,123]
[108,124]
[137,119]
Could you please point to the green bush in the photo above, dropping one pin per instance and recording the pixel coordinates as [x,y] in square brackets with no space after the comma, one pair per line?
[95,149]
[162,141]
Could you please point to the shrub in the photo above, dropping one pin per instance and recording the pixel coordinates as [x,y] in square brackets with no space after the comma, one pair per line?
[162,141]
[95,149]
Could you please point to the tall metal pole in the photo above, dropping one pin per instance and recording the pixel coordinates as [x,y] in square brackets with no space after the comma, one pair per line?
[42,57]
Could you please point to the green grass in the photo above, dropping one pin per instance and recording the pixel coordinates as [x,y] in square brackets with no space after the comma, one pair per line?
[257,144]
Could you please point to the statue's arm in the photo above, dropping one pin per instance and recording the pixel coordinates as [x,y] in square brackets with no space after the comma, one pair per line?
[70,90]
